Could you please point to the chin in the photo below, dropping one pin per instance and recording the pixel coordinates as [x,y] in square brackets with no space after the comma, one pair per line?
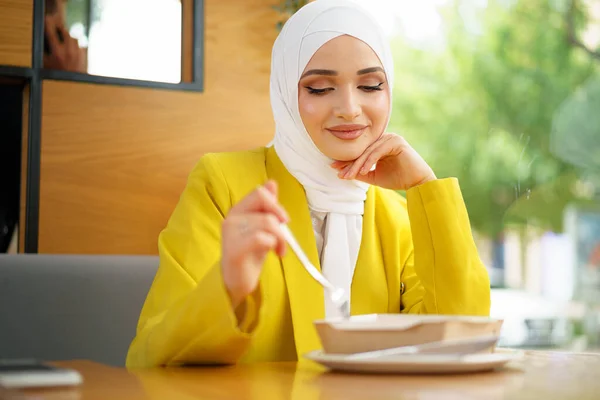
[346,152]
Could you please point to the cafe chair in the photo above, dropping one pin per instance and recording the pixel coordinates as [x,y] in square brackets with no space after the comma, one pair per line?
[64,307]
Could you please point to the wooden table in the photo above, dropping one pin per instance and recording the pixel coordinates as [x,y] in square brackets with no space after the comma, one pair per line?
[540,375]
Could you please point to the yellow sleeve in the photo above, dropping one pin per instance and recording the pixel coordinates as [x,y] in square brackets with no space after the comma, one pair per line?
[187,316]
[444,275]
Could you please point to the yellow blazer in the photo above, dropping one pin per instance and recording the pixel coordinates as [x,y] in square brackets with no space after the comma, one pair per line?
[424,242]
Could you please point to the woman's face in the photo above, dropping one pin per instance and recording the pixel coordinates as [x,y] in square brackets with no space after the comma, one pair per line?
[343,98]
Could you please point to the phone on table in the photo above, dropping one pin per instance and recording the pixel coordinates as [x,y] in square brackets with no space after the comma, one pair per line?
[29,373]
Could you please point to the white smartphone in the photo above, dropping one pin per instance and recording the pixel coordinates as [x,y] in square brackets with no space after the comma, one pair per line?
[28,373]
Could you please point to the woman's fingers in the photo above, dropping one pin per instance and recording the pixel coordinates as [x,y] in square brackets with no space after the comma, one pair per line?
[262,241]
[371,155]
[263,199]
[271,187]
[369,177]
[340,164]
[249,232]
[51,35]
[256,232]
[73,49]
[373,158]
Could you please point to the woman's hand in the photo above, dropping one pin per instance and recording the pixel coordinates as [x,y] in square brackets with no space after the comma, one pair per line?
[399,166]
[249,232]
[65,53]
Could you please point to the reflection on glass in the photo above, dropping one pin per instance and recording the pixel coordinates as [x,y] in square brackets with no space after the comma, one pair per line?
[135,39]
[61,50]
[505,96]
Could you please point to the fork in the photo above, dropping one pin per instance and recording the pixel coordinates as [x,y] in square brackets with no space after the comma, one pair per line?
[336,294]
[450,348]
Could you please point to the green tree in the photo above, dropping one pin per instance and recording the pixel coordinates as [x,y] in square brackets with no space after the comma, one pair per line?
[482,107]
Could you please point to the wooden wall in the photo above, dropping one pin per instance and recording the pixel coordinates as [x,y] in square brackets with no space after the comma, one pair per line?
[16,17]
[115,159]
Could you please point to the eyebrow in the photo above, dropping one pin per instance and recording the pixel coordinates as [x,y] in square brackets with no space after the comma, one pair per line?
[326,72]
[330,72]
[369,70]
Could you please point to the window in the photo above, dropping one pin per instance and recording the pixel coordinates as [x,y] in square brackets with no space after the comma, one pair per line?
[136,39]
[505,95]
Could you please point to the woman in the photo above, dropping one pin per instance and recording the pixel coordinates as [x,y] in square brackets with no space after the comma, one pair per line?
[228,291]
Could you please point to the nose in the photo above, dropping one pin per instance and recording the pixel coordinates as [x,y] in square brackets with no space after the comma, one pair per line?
[348,106]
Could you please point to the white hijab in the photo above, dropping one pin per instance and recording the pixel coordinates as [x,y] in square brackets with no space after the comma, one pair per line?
[304,33]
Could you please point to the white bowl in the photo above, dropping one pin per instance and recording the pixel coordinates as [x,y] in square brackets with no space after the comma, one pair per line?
[382,331]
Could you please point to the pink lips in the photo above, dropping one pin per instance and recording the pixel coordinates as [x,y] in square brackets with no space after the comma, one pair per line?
[347,132]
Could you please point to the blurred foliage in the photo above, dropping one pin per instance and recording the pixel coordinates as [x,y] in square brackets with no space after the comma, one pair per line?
[287,8]
[575,135]
[78,10]
[482,107]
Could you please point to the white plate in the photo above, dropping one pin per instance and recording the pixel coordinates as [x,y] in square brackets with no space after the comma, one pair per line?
[417,364]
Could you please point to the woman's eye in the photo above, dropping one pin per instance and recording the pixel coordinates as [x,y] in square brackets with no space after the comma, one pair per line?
[371,88]
[318,91]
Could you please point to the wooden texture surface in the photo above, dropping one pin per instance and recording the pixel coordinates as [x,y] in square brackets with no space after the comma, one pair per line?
[115,159]
[540,375]
[187,40]
[16,21]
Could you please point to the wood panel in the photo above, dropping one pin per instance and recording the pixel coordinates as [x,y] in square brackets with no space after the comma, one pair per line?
[187,40]
[115,159]
[16,21]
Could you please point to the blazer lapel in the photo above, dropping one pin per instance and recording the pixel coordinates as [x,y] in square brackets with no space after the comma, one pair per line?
[369,289]
[305,294]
